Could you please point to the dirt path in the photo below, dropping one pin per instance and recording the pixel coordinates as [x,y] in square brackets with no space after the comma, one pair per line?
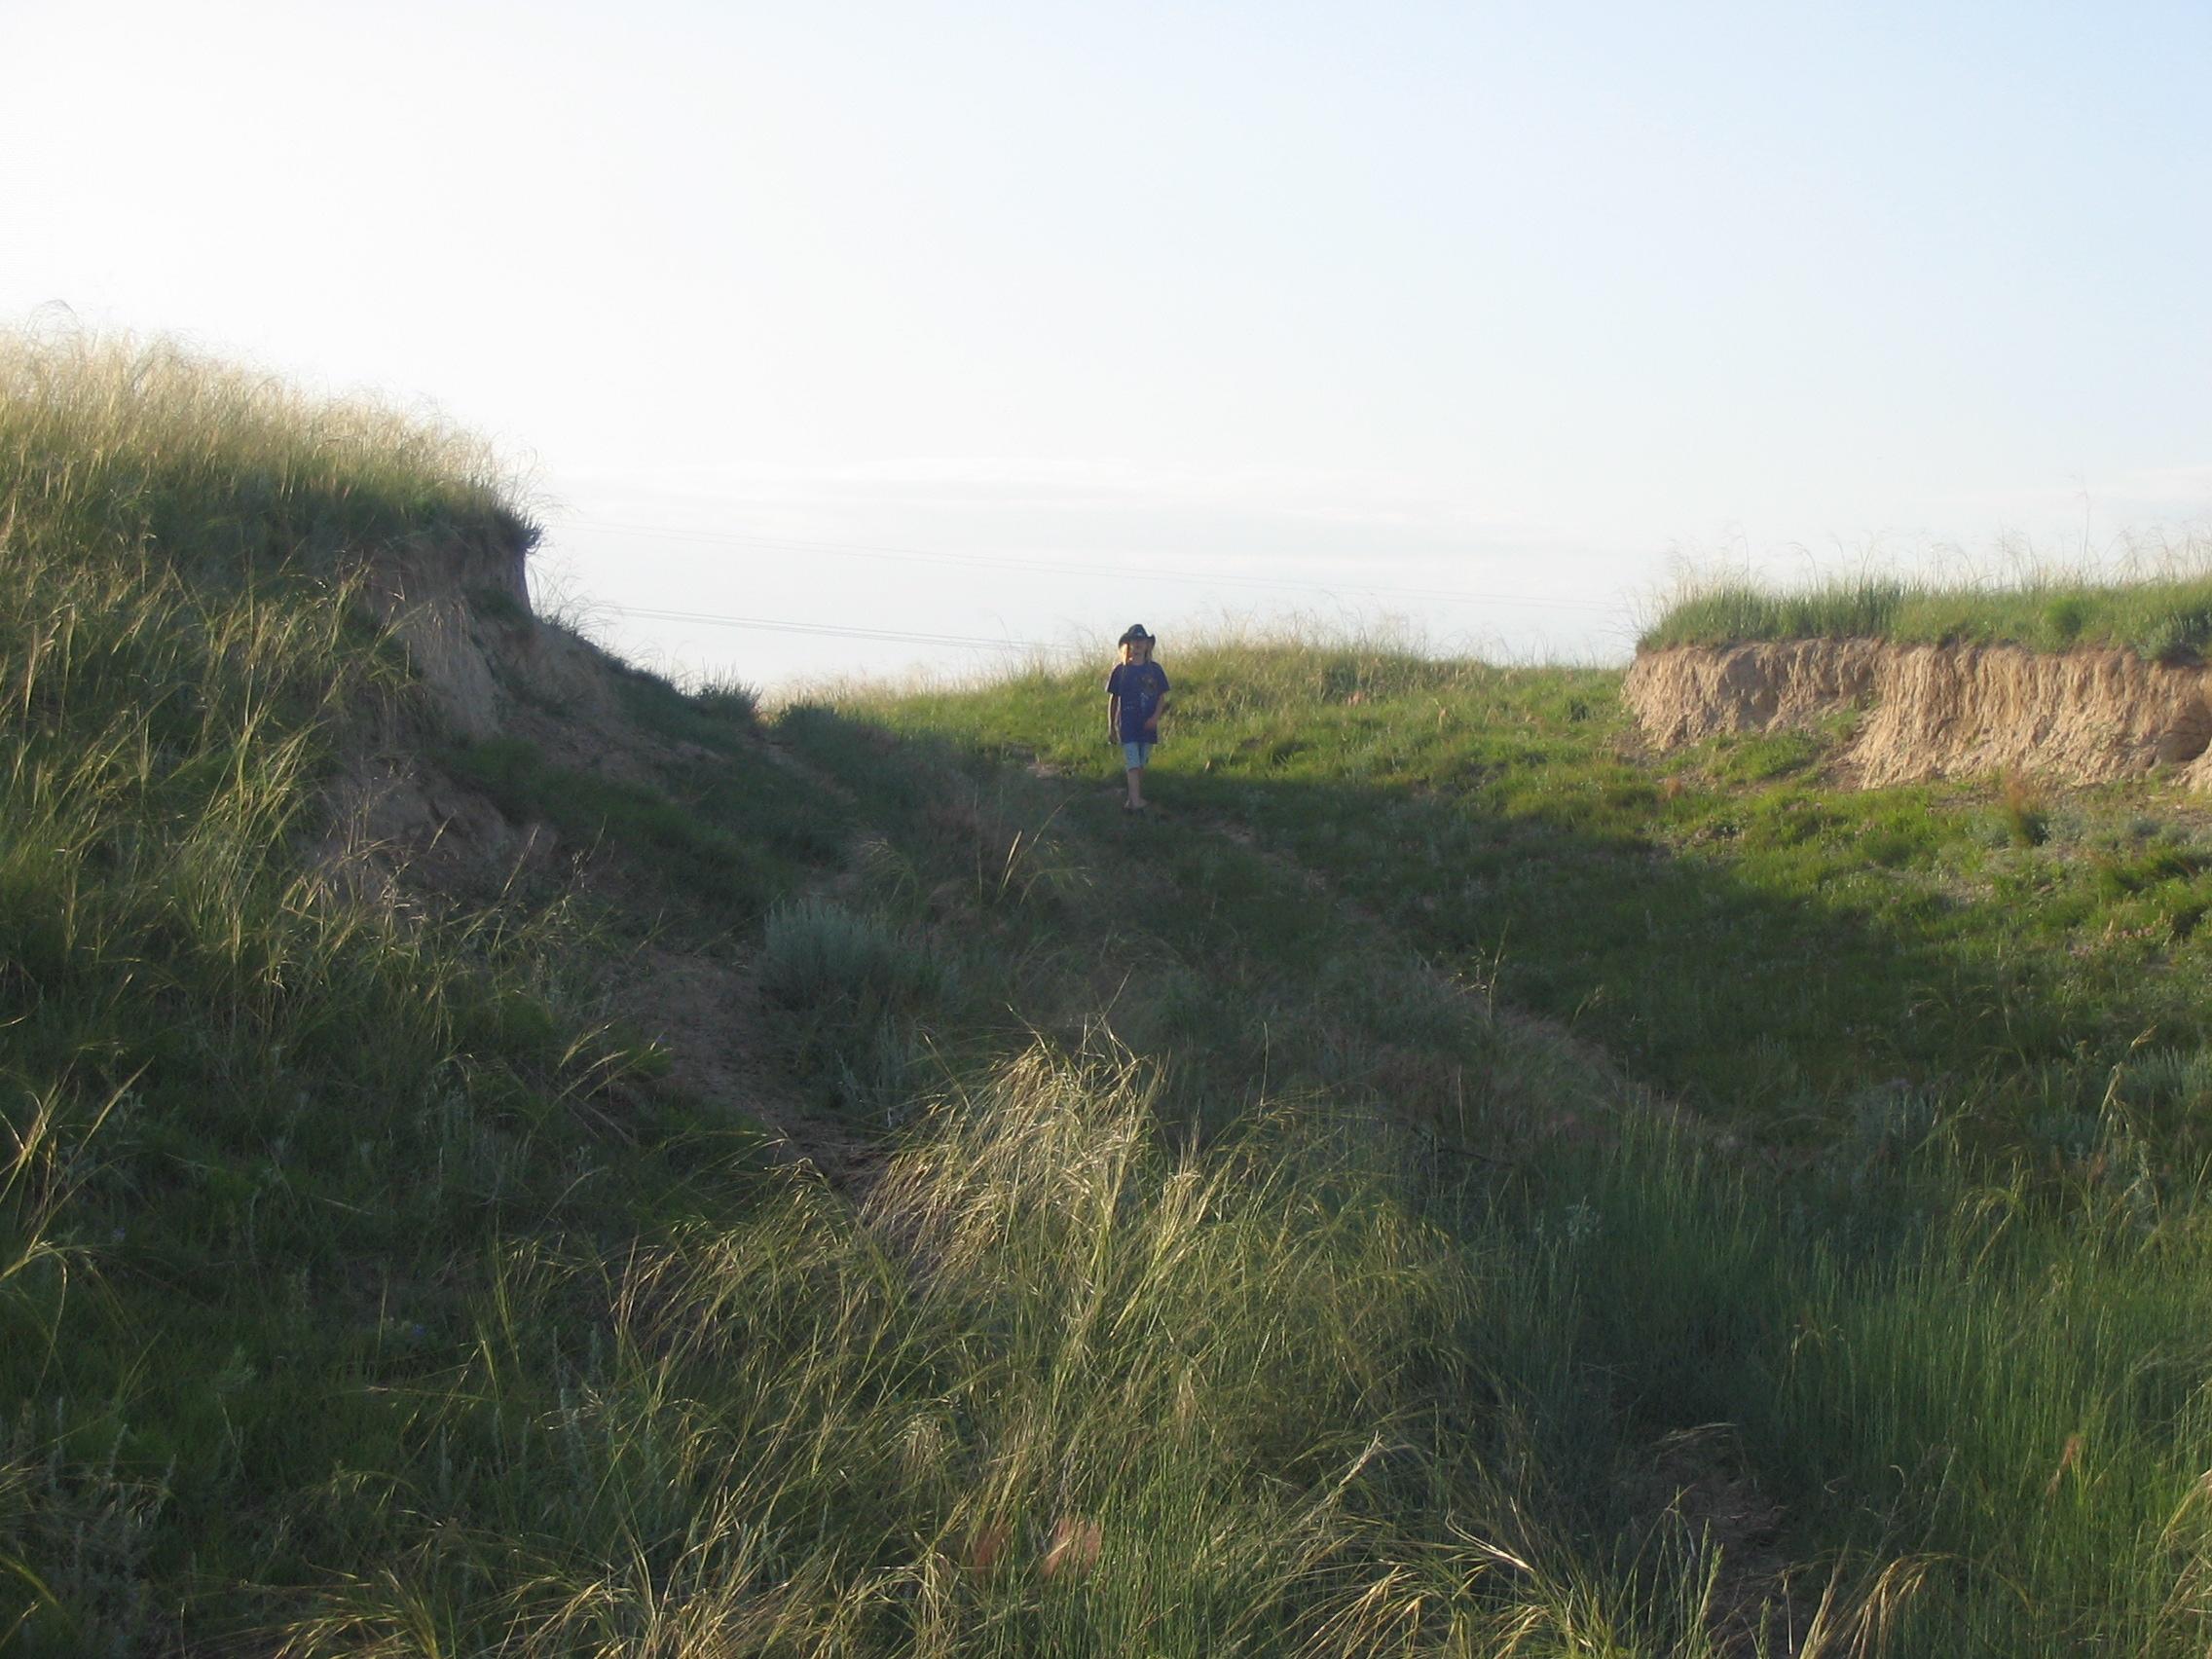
[1698,1478]
[707,1013]
[707,1010]
[401,825]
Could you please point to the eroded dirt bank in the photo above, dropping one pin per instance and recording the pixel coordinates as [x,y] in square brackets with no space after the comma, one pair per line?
[401,827]
[1939,711]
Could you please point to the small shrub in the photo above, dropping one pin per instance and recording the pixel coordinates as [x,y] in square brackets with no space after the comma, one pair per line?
[2065,617]
[2025,819]
[2124,878]
[730,700]
[1889,1120]
[2170,1082]
[2070,1134]
[816,953]
[873,1074]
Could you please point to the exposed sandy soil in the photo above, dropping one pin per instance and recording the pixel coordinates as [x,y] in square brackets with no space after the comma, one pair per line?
[397,824]
[1939,711]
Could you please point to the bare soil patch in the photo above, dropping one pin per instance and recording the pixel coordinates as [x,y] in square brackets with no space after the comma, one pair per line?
[1939,711]
[398,825]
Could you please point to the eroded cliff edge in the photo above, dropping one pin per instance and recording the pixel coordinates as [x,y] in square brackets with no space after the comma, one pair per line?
[1939,711]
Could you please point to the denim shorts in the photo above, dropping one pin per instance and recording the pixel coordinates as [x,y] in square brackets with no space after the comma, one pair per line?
[1135,754]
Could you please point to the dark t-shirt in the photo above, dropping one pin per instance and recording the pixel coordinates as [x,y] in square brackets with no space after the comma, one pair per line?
[1140,686]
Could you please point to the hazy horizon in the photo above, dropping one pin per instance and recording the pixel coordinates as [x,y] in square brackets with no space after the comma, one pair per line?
[979,325]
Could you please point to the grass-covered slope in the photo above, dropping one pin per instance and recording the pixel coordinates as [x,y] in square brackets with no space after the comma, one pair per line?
[391,1260]
[368,1284]
[2165,616]
[257,1134]
[1958,1030]
[1793,958]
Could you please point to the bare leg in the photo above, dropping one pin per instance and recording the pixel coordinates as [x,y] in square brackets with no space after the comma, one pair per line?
[1136,789]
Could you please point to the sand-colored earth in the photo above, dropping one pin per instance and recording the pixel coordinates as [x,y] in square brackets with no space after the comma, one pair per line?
[1939,711]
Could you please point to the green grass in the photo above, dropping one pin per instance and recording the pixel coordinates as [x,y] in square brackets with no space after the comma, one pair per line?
[870,1434]
[112,445]
[1964,1021]
[716,837]
[2165,615]
[1758,944]
[1942,1373]
[1247,1274]
[361,1286]
[258,1133]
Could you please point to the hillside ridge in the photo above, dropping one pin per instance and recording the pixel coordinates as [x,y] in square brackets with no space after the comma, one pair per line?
[492,671]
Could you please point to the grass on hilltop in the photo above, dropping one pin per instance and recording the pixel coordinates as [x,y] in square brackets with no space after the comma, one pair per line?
[2165,615]
[111,446]
[258,1125]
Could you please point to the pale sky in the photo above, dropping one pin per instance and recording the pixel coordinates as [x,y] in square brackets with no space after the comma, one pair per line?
[1026,321]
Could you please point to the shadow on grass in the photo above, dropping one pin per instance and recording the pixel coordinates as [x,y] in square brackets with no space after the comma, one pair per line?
[1841,984]
[1826,1306]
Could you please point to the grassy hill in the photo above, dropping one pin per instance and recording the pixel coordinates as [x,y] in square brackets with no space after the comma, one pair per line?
[1797,962]
[1953,1034]
[506,1157]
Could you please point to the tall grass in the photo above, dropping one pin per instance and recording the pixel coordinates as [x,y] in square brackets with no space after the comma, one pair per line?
[108,443]
[1064,1385]
[2161,608]
[1059,1387]
[1951,1311]
[355,1298]
[210,1044]
[1948,1369]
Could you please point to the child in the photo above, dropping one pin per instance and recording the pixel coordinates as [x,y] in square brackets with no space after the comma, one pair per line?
[1136,692]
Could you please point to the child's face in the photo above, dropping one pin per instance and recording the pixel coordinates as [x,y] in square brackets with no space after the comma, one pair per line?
[1137,650]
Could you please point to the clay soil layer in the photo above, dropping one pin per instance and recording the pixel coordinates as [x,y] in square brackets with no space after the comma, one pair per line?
[1939,711]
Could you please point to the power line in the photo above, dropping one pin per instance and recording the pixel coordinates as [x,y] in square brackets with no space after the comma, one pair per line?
[776,625]
[973,561]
